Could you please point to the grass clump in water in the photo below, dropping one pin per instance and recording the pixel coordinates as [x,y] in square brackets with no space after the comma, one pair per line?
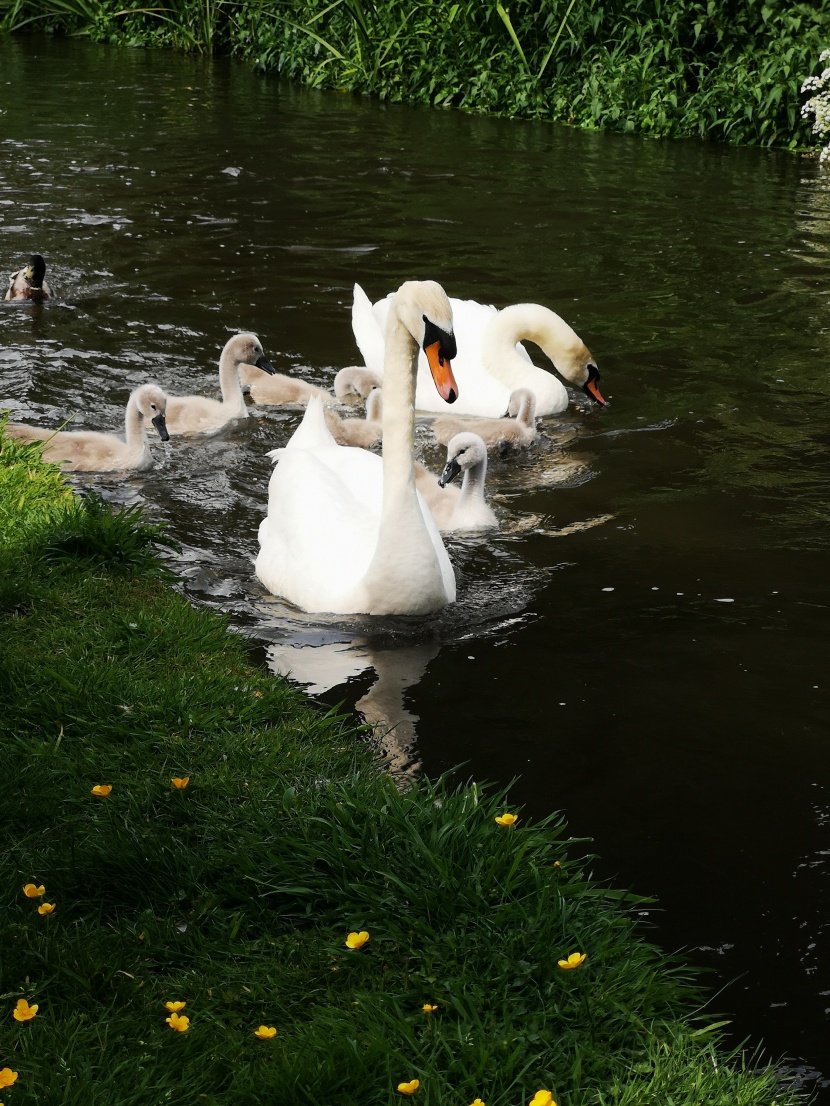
[235,894]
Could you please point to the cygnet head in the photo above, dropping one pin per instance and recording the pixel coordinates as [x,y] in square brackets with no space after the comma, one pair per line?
[424,309]
[522,402]
[152,403]
[246,349]
[464,451]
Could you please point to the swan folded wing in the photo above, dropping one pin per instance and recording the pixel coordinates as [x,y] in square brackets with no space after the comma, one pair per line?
[447,572]
[318,539]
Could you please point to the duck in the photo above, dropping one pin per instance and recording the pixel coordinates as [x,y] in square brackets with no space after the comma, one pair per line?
[28,283]
[463,508]
[492,362]
[365,432]
[275,388]
[356,380]
[516,431]
[92,451]
[346,531]
[200,415]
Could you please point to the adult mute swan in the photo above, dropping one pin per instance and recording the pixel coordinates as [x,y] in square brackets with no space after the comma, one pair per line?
[346,531]
[516,431]
[492,361]
[90,451]
[28,283]
[200,415]
[451,507]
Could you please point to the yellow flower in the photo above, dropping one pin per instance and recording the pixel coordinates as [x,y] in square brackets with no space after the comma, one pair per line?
[23,1012]
[556,864]
[179,1022]
[428,1008]
[174,1007]
[507,819]
[477,1102]
[542,1098]
[32,891]
[357,940]
[46,907]
[573,961]
[265,1032]
[7,1077]
[102,789]
[409,1088]
[180,782]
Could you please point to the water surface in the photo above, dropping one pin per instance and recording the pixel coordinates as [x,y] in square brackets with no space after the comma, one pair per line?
[644,643]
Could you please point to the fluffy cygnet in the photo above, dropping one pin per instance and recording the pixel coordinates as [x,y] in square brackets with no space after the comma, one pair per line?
[360,432]
[200,415]
[355,380]
[28,283]
[91,451]
[463,508]
[517,431]
[277,388]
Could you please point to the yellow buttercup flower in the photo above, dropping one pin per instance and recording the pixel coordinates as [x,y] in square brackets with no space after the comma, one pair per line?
[7,1077]
[179,1022]
[102,789]
[32,891]
[23,1012]
[265,1032]
[573,961]
[174,1007]
[357,940]
[556,864]
[180,782]
[409,1088]
[46,907]
[428,1008]
[542,1098]
[477,1102]
[507,819]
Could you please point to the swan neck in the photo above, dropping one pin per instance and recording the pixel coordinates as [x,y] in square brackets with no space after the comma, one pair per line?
[229,382]
[472,485]
[526,322]
[398,420]
[134,424]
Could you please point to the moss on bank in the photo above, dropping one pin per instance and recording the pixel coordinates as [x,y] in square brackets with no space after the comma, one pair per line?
[235,894]
[715,68]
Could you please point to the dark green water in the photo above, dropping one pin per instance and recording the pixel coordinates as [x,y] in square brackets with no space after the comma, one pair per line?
[680,719]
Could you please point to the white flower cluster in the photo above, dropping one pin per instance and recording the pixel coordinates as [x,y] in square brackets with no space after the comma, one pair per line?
[819,104]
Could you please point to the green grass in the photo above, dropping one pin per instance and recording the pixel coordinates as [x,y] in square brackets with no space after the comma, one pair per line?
[714,68]
[236,894]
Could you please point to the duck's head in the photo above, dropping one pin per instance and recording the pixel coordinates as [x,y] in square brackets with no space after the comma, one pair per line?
[152,403]
[246,349]
[35,271]
[425,311]
[463,452]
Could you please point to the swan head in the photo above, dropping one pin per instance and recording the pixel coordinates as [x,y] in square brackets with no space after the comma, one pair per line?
[464,451]
[35,271]
[246,349]
[425,311]
[152,403]
[577,365]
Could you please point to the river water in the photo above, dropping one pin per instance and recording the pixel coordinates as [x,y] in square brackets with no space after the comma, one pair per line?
[643,644]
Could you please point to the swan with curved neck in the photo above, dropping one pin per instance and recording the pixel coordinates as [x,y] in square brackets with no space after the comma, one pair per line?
[492,362]
[463,508]
[200,415]
[91,451]
[346,531]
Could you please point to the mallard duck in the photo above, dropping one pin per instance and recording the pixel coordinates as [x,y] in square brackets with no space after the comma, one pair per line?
[29,283]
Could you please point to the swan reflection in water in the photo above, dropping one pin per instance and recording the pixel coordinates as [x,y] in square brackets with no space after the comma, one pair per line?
[327,665]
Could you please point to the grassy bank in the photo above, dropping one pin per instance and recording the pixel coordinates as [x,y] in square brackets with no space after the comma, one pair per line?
[236,893]
[714,68]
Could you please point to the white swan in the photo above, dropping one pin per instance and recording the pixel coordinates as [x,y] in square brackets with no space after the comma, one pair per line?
[451,507]
[516,431]
[91,451]
[361,432]
[492,362]
[356,380]
[274,388]
[346,531]
[200,415]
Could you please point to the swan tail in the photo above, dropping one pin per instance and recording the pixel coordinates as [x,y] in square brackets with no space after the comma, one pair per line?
[367,332]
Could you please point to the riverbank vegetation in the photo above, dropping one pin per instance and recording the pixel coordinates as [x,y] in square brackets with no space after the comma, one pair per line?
[706,68]
[189,845]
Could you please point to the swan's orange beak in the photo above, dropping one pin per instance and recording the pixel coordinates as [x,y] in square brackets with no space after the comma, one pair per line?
[441,369]
[591,386]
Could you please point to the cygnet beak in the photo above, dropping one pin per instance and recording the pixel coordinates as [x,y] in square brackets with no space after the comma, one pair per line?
[159,423]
